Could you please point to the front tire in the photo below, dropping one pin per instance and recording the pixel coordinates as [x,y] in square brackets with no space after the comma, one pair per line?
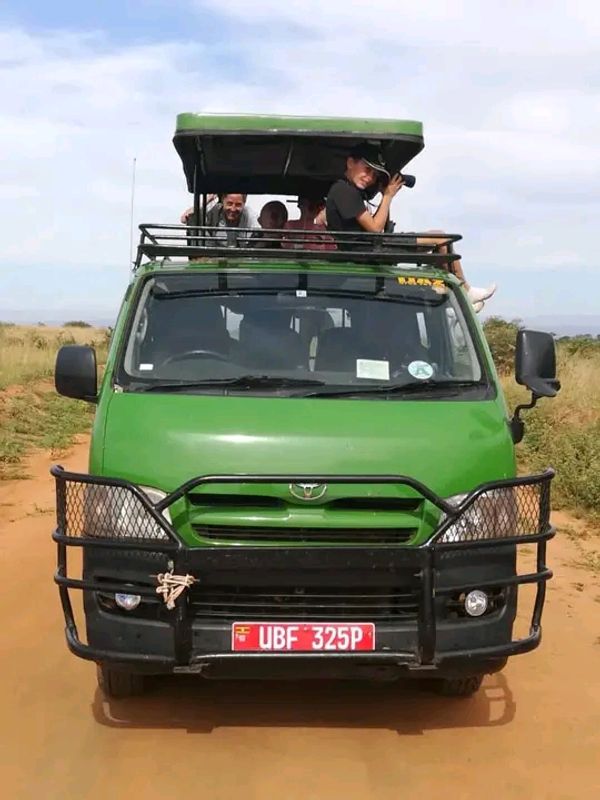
[119,684]
[459,687]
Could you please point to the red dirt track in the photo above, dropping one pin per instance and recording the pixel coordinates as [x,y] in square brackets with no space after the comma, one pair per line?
[532,731]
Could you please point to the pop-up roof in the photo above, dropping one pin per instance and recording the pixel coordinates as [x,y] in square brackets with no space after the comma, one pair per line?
[283,155]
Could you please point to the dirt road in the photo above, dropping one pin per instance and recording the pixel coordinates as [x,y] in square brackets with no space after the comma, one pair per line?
[532,731]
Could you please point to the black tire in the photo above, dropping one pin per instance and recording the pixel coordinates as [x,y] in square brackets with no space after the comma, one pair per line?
[459,687]
[119,684]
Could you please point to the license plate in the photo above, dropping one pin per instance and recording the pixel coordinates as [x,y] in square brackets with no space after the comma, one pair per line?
[289,637]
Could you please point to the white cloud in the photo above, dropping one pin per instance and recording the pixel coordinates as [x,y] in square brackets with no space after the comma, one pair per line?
[511,26]
[509,95]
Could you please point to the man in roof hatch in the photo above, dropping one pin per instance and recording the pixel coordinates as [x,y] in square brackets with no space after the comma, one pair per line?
[347,208]
[226,213]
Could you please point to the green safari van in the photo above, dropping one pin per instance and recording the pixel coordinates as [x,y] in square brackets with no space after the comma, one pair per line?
[302,463]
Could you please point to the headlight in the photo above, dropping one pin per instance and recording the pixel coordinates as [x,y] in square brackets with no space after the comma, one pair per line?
[115,512]
[155,496]
[493,515]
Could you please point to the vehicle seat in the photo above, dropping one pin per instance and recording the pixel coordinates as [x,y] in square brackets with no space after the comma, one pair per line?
[185,324]
[267,341]
[380,332]
[339,348]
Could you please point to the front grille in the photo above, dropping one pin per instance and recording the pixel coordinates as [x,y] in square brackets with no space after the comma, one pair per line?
[322,604]
[342,536]
[227,501]
[224,502]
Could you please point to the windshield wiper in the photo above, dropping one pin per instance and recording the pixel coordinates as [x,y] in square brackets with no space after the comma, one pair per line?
[413,387]
[241,382]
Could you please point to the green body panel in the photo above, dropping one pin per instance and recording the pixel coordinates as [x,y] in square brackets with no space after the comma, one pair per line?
[267,123]
[163,440]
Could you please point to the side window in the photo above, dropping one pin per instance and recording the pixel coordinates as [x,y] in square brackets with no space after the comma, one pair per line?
[465,363]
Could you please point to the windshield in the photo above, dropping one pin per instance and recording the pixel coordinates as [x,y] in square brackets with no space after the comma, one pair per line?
[299,334]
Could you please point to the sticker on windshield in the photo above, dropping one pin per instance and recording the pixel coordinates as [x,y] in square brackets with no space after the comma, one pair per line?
[375,370]
[420,370]
[146,367]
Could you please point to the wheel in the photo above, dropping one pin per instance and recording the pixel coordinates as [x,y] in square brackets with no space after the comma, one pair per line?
[119,683]
[459,687]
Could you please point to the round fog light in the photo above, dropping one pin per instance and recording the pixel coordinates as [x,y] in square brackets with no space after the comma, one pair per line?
[476,603]
[128,602]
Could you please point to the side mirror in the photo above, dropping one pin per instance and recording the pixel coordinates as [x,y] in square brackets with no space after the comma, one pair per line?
[535,363]
[535,367]
[75,374]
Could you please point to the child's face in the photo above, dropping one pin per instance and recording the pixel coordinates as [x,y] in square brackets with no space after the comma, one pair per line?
[271,218]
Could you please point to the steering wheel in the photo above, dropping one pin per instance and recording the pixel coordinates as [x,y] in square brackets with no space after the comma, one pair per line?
[195,354]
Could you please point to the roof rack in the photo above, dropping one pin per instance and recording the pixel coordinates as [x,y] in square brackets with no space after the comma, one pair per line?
[203,241]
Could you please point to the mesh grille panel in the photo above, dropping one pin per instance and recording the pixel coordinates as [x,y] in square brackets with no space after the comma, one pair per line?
[105,512]
[503,512]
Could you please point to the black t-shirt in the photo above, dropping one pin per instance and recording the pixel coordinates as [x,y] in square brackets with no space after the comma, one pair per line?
[345,202]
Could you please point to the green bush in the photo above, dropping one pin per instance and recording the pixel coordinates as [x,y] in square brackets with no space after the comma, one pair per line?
[501,336]
[584,346]
[575,454]
[77,323]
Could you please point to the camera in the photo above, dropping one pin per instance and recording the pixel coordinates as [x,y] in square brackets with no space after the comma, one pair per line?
[409,180]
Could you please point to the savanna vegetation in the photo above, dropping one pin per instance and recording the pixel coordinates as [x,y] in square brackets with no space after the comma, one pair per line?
[563,431]
[31,413]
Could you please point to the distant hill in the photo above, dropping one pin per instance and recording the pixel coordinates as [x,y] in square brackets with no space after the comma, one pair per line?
[98,319]
[566,324]
[560,324]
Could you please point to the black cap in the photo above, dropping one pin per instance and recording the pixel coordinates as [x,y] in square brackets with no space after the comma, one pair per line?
[371,155]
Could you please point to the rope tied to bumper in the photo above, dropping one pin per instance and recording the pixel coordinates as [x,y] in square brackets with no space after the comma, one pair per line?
[171,586]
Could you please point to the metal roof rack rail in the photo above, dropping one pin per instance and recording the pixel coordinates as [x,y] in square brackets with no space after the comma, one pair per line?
[203,241]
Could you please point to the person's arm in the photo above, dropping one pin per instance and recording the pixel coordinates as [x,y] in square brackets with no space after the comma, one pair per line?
[375,223]
[189,212]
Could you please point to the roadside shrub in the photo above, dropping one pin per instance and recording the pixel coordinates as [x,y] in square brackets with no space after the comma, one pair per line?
[574,453]
[501,336]
[584,346]
[564,431]
[65,338]
[77,323]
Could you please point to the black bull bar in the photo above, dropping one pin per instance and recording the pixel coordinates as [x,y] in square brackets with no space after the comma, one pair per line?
[87,504]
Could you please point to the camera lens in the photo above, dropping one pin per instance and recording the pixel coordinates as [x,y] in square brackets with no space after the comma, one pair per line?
[409,181]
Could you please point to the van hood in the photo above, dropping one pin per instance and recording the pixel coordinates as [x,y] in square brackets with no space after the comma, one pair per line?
[164,440]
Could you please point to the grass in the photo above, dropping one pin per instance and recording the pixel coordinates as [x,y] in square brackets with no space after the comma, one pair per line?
[31,413]
[28,352]
[37,417]
[564,431]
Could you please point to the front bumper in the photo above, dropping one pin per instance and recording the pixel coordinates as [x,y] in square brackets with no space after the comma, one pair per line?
[426,638]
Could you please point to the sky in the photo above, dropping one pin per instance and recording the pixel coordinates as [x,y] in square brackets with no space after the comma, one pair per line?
[509,94]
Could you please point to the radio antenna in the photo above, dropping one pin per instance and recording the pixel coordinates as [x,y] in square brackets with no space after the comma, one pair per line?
[132,207]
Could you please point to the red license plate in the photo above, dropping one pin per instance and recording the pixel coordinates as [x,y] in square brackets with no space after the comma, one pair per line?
[314,637]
